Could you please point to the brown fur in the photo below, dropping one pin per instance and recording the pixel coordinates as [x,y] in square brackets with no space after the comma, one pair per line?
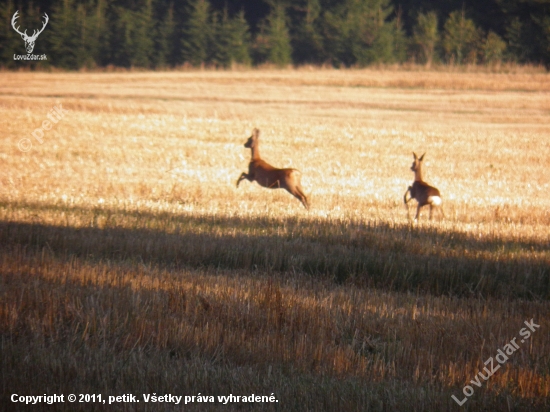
[420,190]
[269,176]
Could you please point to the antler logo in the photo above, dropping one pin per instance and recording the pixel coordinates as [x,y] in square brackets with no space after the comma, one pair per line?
[29,40]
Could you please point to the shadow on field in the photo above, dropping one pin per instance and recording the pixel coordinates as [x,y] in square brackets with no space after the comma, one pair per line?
[115,339]
[379,255]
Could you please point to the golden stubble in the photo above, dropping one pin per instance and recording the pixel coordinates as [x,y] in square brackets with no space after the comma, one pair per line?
[149,162]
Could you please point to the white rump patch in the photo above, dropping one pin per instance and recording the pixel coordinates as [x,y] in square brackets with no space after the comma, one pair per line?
[434,200]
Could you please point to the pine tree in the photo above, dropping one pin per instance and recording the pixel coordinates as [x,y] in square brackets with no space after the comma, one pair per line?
[132,43]
[141,36]
[357,32]
[90,38]
[240,39]
[65,35]
[279,48]
[198,34]
[493,48]
[336,38]
[165,39]
[78,36]
[308,42]
[460,38]
[514,31]
[232,43]
[97,42]
[400,42]
[426,36]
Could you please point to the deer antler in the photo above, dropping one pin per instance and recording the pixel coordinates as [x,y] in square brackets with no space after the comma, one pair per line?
[35,32]
[13,19]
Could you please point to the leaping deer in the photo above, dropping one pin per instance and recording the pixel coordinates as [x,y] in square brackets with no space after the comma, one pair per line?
[421,191]
[269,176]
[29,40]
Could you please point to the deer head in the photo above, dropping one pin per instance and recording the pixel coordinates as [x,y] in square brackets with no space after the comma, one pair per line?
[29,40]
[417,163]
[252,140]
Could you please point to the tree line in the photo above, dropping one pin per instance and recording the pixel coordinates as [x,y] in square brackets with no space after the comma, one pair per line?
[170,33]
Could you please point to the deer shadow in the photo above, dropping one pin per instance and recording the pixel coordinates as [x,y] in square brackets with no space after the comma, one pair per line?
[368,254]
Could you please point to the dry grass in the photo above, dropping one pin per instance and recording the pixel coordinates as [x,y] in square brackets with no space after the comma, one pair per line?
[131,263]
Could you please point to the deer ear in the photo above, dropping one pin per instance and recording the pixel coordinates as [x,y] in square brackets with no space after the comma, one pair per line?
[256,132]
[422,157]
[414,154]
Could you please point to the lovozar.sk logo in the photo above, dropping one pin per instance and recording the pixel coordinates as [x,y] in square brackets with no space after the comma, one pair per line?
[29,40]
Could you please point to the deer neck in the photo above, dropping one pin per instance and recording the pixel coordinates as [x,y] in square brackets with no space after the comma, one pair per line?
[418,174]
[255,153]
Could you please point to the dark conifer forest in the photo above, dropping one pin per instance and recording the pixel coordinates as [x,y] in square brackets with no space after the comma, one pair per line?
[222,33]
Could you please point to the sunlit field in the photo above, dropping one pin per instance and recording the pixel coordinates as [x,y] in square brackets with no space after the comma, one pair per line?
[131,264]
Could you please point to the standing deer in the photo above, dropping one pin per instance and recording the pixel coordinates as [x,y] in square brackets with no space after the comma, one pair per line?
[421,191]
[269,176]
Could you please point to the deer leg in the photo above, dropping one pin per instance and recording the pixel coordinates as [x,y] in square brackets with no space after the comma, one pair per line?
[406,202]
[417,212]
[405,196]
[298,194]
[242,177]
[301,197]
[442,212]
